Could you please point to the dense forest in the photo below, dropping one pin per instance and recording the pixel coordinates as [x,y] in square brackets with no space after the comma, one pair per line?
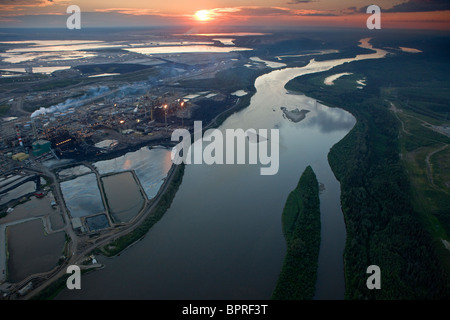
[383,226]
[301,228]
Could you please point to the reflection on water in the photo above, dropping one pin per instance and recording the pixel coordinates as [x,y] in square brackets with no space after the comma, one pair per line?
[97,222]
[41,43]
[64,47]
[46,70]
[151,167]
[240,93]
[73,171]
[225,41]
[227,34]
[82,196]
[330,80]
[169,43]
[123,196]
[410,50]
[17,57]
[270,64]
[330,120]
[34,253]
[49,70]
[103,75]
[18,192]
[48,51]
[185,49]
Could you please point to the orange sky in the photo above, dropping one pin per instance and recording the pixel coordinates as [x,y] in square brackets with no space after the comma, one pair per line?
[417,14]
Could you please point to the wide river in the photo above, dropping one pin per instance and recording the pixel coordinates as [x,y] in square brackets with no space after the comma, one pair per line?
[222,236]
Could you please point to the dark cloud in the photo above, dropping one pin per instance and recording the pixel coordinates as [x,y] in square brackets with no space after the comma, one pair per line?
[276,11]
[262,11]
[300,1]
[27,3]
[320,14]
[21,2]
[408,6]
[420,6]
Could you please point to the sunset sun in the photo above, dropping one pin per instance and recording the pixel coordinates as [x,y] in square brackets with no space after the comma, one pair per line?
[203,15]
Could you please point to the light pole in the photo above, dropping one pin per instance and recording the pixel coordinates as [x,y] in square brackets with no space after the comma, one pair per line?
[182,113]
[165,115]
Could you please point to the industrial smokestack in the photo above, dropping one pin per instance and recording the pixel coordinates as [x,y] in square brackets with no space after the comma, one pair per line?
[18,136]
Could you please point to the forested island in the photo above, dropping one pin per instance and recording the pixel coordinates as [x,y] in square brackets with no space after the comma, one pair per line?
[301,228]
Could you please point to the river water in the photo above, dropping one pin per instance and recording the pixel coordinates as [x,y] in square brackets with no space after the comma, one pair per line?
[222,236]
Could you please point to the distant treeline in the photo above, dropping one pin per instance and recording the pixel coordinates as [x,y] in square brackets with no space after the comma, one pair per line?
[301,228]
[382,226]
[111,68]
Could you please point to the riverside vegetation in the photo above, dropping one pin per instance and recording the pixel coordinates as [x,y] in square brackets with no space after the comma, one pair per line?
[387,220]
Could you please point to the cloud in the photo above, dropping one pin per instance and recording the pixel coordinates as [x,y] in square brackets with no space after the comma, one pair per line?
[314,13]
[254,11]
[405,7]
[89,20]
[28,5]
[130,11]
[292,12]
[25,3]
[301,1]
[21,2]
[420,6]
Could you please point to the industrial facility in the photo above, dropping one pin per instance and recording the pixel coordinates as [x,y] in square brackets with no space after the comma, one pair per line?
[77,132]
